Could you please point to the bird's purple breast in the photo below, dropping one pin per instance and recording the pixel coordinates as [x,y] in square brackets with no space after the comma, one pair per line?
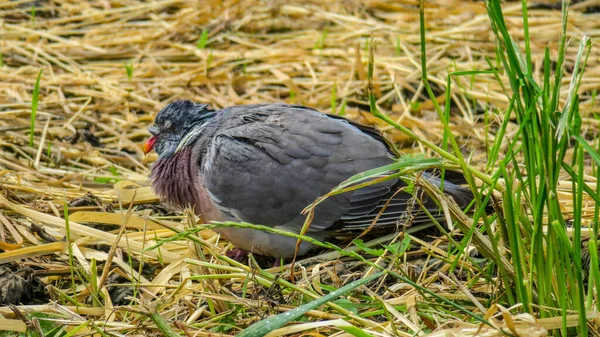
[175,179]
[178,182]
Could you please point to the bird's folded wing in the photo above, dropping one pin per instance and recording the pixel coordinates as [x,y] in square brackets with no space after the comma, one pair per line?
[266,165]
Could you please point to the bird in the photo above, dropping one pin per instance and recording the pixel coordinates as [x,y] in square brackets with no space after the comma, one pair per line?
[265,163]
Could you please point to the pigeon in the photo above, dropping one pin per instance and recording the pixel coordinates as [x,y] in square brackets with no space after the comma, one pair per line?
[265,163]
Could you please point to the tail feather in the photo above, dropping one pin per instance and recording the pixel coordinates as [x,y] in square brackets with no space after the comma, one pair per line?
[403,209]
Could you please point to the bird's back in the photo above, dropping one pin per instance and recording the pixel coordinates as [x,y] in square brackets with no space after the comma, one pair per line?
[267,162]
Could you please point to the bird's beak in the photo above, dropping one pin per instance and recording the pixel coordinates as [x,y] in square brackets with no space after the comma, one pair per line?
[149,145]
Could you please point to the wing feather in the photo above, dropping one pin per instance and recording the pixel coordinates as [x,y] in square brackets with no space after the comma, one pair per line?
[267,163]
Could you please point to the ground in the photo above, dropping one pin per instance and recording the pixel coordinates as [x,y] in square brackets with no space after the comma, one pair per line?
[105,68]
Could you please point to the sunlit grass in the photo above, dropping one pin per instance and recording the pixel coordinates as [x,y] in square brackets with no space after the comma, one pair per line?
[529,257]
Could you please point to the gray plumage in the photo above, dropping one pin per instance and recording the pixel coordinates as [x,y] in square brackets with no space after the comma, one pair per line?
[265,163]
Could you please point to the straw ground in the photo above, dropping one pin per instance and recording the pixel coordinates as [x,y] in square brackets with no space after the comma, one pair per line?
[106,68]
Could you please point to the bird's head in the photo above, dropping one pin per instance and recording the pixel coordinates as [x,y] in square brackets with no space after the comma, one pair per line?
[176,125]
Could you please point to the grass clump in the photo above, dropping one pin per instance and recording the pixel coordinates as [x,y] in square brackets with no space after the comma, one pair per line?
[543,246]
[548,262]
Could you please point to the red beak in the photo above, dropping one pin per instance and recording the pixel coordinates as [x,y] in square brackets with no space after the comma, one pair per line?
[149,144]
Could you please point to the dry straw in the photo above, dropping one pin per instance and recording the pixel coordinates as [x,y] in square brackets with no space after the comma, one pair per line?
[108,67]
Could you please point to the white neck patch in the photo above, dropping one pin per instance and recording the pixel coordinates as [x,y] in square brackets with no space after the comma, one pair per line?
[189,137]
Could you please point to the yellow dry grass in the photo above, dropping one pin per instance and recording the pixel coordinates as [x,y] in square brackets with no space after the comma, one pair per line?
[304,52]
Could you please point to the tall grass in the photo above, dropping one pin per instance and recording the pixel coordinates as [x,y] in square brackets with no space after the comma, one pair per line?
[545,272]
[542,252]
[546,262]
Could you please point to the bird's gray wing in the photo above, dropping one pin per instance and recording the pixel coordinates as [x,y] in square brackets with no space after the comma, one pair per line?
[268,162]
[403,209]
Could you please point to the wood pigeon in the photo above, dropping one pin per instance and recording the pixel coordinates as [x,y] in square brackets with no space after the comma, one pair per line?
[264,163]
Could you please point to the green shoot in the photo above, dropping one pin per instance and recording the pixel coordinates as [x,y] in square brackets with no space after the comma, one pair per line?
[33,15]
[49,150]
[203,40]
[320,44]
[113,170]
[209,60]
[342,111]
[129,70]
[161,323]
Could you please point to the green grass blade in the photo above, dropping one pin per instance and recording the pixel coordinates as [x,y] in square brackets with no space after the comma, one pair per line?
[584,45]
[474,72]
[33,12]
[203,40]
[129,70]
[162,325]
[320,43]
[357,332]
[594,271]
[578,204]
[267,325]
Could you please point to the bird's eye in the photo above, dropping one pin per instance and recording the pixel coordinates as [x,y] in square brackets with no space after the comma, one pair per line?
[153,130]
[168,124]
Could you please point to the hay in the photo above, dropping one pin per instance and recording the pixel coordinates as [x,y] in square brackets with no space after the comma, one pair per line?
[92,119]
